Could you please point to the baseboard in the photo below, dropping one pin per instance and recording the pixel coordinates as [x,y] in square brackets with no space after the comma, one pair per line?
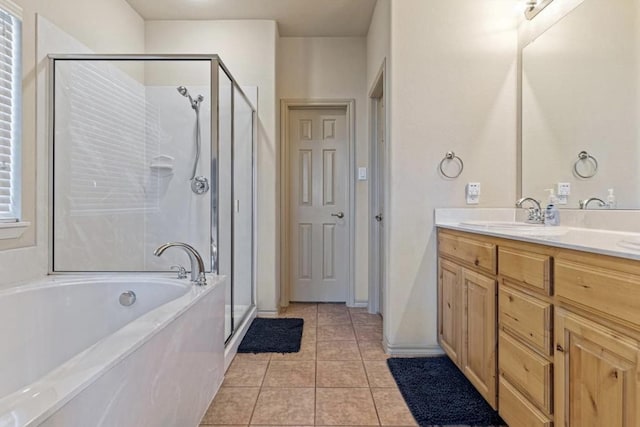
[417,351]
[359,304]
[268,313]
[231,348]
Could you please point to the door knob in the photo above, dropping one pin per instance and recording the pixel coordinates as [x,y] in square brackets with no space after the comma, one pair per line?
[339,215]
[379,217]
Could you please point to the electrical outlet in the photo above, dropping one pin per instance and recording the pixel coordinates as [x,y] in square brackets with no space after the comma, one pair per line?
[473,193]
[563,192]
[564,189]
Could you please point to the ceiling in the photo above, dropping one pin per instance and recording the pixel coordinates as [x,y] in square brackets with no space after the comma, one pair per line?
[296,18]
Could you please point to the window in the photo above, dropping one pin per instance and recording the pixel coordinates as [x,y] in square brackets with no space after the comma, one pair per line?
[10,111]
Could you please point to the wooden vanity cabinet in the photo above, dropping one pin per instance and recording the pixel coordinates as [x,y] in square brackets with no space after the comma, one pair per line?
[548,336]
[467,298]
[597,340]
[525,321]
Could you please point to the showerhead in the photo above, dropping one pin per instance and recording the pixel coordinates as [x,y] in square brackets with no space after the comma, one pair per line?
[195,103]
[183,91]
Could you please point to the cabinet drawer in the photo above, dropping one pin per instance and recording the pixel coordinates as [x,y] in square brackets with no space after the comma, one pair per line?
[531,269]
[526,316]
[517,411]
[526,370]
[474,252]
[610,292]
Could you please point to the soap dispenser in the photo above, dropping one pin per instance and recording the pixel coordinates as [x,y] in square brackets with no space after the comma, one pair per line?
[551,213]
[611,200]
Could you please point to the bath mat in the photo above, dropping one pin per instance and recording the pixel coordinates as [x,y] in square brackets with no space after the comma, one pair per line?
[437,393]
[272,336]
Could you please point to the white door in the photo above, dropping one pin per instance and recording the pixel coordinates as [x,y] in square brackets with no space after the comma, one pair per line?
[318,194]
[380,188]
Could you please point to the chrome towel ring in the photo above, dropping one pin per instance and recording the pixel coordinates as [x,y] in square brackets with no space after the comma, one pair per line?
[583,156]
[450,156]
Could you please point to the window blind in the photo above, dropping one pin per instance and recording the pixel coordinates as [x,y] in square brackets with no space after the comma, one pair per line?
[10,81]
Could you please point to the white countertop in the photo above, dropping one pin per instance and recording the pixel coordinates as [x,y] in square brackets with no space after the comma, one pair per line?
[614,243]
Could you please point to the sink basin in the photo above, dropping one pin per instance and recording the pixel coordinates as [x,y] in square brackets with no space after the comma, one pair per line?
[501,224]
[513,227]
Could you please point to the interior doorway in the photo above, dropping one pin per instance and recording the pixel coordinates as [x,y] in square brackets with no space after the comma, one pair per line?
[378,194]
[317,208]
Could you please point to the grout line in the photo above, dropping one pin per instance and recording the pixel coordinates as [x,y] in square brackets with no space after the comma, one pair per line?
[315,388]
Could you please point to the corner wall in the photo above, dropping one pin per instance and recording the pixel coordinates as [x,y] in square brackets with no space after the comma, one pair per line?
[453,88]
[334,68]
[92,23]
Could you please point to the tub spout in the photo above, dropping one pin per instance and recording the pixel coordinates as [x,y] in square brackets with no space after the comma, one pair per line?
[197,265]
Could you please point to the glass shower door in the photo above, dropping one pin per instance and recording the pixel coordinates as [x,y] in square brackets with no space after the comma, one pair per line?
[225,144]
[129,136]
[243,183]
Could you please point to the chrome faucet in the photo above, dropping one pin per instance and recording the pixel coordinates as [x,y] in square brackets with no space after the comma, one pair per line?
[197,265]
[535,213]
[584,204]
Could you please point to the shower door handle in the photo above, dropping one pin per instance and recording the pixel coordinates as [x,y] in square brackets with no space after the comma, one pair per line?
[338,215]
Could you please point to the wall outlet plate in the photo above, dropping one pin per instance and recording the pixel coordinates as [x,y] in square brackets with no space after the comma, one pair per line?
[564,189]
[473,193]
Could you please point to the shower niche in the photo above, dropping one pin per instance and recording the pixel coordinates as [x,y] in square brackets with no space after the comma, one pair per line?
[149,149]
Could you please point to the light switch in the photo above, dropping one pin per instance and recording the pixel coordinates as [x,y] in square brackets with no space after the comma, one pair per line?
[473,193]
[362,174]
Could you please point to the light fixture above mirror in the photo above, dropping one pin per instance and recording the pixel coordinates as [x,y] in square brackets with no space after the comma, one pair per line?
[534,7]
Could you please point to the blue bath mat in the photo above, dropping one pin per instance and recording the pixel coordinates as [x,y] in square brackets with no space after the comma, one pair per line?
[438,394]
[272,336]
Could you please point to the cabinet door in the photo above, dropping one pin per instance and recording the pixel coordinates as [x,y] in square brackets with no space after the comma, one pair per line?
[450,309]
[596,374]
[479,333]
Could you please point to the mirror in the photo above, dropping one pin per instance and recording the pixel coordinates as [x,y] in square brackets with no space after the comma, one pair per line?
[580,93]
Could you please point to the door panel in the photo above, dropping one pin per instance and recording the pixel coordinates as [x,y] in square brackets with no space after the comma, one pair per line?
[450,309]
[596,374]
[319,225]
[479,341]
[380,154]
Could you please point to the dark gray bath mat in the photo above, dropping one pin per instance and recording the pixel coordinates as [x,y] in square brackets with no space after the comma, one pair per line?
[438,394]
[272,336]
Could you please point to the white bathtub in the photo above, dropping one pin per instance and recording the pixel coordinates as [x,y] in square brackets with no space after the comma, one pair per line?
[72,355]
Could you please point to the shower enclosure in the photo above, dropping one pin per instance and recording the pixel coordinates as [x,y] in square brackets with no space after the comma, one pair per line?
[135,165]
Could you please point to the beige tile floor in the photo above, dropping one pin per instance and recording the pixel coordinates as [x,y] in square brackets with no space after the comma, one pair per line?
[339,377]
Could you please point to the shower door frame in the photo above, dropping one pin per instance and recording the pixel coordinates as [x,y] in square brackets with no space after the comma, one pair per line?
[215,64]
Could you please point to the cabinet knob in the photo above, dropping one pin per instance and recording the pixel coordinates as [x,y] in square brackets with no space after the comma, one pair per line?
[559,348]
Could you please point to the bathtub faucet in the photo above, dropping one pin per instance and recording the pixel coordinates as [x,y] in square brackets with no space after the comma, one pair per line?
[197,265]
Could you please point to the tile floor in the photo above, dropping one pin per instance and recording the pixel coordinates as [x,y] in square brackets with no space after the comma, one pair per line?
[339,377]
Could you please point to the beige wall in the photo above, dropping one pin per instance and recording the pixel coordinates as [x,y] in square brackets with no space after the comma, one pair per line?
[92,23]
[453,88]
[334,68]
[378,40]
[248,49]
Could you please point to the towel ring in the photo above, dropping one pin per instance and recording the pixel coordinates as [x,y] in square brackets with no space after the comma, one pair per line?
[584,156]
[448,157]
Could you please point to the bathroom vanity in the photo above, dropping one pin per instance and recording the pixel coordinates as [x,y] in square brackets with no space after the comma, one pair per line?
[546,333]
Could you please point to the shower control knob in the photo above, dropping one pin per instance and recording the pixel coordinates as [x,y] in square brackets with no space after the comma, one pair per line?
[200,185]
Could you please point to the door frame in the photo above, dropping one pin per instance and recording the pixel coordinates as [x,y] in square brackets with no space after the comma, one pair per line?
[376,282]
[286,105]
